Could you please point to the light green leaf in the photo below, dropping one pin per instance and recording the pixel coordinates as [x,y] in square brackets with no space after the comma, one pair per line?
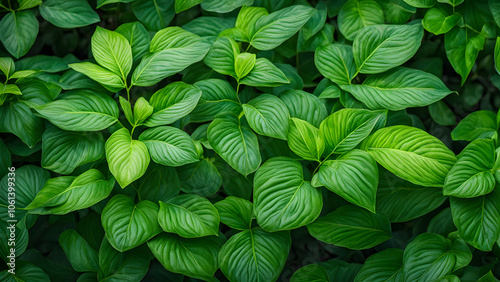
[379,48]
[386,265]
[127,109]
[63,151]
[68,13]
[155,14]
[247,17]
[305,140]
[310,273]
[336,62]
[267,115]
[399,89]
[304,106]
[62,195]
[182,5]
[431,256]
[189,216]
[222,56]
[438,22]
[169,146]
[353,176]
[472,176]
[421,3]
[274,29]
[235,212]
[7,66]
[172,103]
[265,74]
[243,64]
[142,110]
[453,3]
[345,129]
[17,118]
[81,110]
[412,154]
[283,200]
[28,4]
[128,225]
[477,125]
[112,51]
[357,14]
[235,143]
[462,47]
[106,78]
[80,254]
[254,255]
[197,258]
[200,178]
[477,219]
[217,96]
[137,36]
[118,266]
[19,31]
[128,159]
[351,227]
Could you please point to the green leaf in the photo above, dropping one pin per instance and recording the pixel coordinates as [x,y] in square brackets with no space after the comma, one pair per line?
[172,50]
[159,183]
[28,4]
[339,270]
[310,273]
[254,255]
[462,47]
[128,159]
[497,55]
[128,225]
[25,272]
[431,256]
[189,216]
[112,51]
[472,176]
[336,62]
[305,140]
[399,89]
[265,74]
[106,78]
[137,36]
[197,258]
[412,154]
[81,110]
[5,159]
[442,114]
[304,106]
[62,195]
[217,96]
[169,146]
[19,31]
[172,103]
[283,200]
[247,17]
[182,5]
[396,11]
[118,266]
[101,3]
[222,56]
[80,254]
[63,151]
[142,110]
[200,178]
[274,29]
[20,244]
[477,219]
[477,125]
[353,176]
[155,14]
[351,227]
[235,143]
[7,66]
[379,48]
[267,115]
[453,3]
[224,6]
[345,129]
[243,64]
[127,109]
[386,265]
[17,118]
[356,14]
[438,22]
[235,212]
[68,14]
[421,3]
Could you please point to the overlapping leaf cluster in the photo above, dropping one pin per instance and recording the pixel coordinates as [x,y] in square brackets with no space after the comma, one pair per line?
[251,140]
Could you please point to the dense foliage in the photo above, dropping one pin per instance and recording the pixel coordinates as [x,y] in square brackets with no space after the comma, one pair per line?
[250,140]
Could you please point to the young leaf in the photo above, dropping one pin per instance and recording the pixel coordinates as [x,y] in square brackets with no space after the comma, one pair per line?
[235,143]
[142,110]
[68,13]
[106,78]
[243,64]
[354,177]
[305,140]
[254,255]
[7,66]
[386,265]
[112,51]
[127,109]
[351,227]
[235,212]
[336,62]
[193,257]
[267,115]
[356,14]
[189,216]
[283,200]
[19,31]
[169,146]
[222,56]
[265,74]
[477,125]
[379,48]
[128,159]
[247,17]
[128,225]
[412,154]
[438,22]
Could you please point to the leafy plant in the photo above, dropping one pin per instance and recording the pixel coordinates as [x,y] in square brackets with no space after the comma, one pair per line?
[250,140]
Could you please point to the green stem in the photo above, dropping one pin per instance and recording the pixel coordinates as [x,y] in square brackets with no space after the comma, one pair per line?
[128,91]
[8,9]
[8,3]
[238,92]
[323,161]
